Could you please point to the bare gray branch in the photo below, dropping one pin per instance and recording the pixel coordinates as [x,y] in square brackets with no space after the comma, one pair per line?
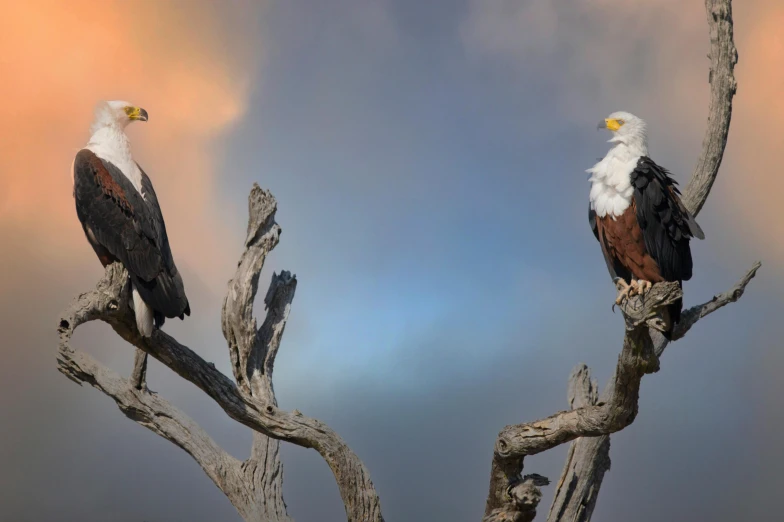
[257,491]
[237,321]
[588,458]
[578,488]
[160,417]
[690,317]
[522,497]
[253,351]
[618,407]
[723,57]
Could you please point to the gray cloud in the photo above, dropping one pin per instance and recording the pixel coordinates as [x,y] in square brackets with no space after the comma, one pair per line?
[433,207]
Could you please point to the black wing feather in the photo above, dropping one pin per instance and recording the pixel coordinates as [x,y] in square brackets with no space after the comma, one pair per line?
[131,228]
[112,208]
[666,224]
[167,292]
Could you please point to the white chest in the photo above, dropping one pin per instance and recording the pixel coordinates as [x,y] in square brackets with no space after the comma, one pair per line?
[611,188]
[114,147]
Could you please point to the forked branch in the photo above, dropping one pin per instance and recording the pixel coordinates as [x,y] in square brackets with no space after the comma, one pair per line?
[588,458]
[255,493]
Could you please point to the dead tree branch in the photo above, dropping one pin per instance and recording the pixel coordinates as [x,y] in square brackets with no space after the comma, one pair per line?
[522,498]
[587,461]
[253,350]
[618,408]
[591,419]
[254,486]
[160,417]
[721,76]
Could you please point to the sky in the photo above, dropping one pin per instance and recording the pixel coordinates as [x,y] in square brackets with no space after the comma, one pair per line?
[429,160]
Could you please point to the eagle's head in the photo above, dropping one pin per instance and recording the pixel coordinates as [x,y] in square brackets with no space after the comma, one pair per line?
[626,128]
[117,114]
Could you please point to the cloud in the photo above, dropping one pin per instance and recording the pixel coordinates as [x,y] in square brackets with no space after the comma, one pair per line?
[193,69]
[601,56]
[598,51]
[173,59]
[753,156]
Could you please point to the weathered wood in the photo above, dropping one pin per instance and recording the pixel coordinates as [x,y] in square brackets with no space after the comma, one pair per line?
[721,76]
[637,359]
[139,373]
[690,317]
[618,405]
[587,454]
[587,461]
[264,470]
[521,500]
[237,321]
[255,486]
[588,458]
[253,350]
[160,417]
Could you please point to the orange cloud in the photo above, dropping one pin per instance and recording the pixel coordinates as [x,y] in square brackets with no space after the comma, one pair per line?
[757,135]
[174,59]
[649,56]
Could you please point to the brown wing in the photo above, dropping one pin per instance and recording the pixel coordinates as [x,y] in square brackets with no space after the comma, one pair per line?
[622,241]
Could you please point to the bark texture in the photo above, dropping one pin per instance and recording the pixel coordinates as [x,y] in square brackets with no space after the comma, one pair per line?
[589,419]
[587,461]
[721,76]
[254,486]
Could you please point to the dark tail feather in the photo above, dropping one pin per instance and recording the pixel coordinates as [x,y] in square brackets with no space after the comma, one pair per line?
[674,311]
[165,295]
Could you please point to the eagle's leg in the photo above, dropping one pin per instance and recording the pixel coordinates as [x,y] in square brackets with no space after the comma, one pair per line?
[625,290]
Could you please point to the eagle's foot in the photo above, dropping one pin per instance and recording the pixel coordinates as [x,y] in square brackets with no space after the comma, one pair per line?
[642,286]
[625,290]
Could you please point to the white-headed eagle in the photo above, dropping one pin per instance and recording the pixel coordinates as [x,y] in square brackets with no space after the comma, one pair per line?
[637,216]
[122,219]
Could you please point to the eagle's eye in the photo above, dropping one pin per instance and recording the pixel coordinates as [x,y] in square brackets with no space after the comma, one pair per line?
[620,122]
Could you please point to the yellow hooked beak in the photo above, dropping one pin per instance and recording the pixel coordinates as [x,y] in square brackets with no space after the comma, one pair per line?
[612,124]
[136,113]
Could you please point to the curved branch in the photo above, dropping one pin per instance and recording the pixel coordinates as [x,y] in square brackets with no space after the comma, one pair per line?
[618,405]
[637,358]
[522,499]
[160,417]
[253,351]
[587,454]
[589,457]
[690,317]
[723,57]
[109,303]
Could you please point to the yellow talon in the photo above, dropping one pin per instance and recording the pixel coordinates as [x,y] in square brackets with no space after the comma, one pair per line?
[625,290]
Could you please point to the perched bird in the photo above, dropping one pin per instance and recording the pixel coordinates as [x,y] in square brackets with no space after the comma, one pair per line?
[121,217]
[637,216]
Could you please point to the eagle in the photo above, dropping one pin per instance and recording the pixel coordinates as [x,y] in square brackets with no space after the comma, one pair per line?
[121,217]
[637,216]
